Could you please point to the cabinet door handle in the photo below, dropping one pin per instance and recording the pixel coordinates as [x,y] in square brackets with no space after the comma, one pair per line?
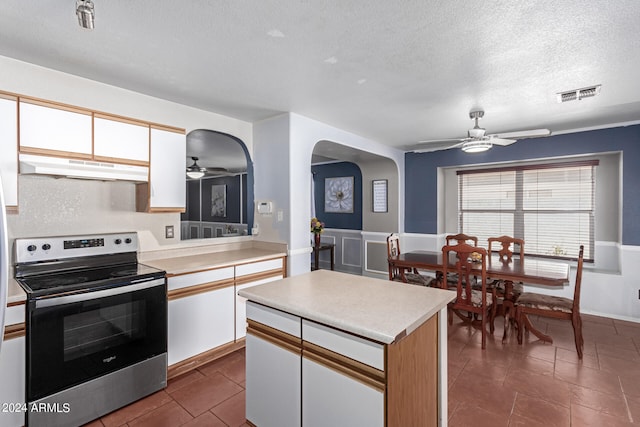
[358,371]
[274,336]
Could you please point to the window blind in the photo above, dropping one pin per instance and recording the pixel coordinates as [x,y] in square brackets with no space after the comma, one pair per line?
[550,206]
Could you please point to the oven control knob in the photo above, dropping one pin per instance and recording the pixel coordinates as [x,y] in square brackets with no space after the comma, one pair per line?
[46,247]
[127,240]
[31,248]
[118,241]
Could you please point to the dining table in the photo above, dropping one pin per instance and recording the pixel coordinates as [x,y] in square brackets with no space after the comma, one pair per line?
[529,270]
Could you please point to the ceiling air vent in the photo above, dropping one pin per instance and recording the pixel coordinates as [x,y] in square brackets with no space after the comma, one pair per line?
[572,95]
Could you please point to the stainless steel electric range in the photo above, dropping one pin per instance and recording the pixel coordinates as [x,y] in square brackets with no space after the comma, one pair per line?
[96,326]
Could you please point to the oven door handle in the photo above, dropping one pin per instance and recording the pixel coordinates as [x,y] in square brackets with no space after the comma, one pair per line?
[88,296]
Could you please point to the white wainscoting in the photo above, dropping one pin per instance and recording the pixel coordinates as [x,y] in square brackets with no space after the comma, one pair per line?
[348,250]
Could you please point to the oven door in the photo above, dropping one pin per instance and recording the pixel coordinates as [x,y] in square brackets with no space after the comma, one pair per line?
[75,338]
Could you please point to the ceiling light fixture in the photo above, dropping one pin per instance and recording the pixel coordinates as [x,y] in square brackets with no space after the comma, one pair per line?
[195,171]
[476,146]
[86,14]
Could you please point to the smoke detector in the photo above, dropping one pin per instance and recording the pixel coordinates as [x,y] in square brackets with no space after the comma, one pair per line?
[578,94]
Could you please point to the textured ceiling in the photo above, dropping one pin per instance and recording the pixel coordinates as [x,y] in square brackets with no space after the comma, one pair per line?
[396,72]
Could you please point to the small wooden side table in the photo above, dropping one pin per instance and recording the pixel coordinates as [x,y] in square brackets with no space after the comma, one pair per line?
[316,254]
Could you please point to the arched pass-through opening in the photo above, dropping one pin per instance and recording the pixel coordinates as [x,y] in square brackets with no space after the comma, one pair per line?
[220,202]
[328,154]
[358,232]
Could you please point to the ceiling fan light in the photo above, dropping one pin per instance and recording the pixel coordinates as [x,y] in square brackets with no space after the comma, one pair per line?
[85,13]
[195,174]
[195,171]
[476,146]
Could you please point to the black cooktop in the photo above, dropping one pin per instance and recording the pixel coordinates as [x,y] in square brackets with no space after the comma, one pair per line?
[88,279]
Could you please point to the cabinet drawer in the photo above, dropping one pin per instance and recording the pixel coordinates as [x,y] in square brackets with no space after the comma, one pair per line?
[192,279]
[257,267]
[357,348]
[276,319]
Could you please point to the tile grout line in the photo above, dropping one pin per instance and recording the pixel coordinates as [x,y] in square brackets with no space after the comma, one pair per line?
[626,402]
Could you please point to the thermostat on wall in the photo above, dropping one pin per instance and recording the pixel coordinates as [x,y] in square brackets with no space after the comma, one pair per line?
[265,208]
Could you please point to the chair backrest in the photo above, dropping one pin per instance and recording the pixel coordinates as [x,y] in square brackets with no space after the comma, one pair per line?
[393,245]
[576,291]
[466,270]
[393,249]
[504,244]
[461,238]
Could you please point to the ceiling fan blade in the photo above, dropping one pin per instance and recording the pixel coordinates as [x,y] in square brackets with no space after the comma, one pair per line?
[501,141]
[522,134]
[429,141]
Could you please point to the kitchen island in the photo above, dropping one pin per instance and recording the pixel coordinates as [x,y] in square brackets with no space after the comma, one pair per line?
[329,348]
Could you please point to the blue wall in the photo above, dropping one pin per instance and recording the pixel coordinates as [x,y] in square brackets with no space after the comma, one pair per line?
[349,221]
[421,172]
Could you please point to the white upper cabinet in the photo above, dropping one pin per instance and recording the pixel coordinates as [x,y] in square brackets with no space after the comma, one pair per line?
[64,130]
[167,170]
[9,149]
[118,140]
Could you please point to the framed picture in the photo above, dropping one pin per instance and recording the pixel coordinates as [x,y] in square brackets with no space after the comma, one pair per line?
[379,195]
[338,194]
[219,200]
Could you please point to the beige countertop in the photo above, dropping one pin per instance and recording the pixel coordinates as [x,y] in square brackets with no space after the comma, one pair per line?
[207,261]
[377,309]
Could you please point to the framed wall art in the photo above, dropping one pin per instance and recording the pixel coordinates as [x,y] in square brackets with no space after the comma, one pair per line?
[379,195]
[219,200]
[338,194]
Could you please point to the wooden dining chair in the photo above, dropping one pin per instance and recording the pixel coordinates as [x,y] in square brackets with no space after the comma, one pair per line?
[480,302]
[461,238]
[555,307]
[397,274]
[507,292]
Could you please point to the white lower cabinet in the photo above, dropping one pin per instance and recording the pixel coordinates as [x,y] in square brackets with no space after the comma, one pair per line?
[12,382]
[331,398]
[200,322]
[241,310]
[295,382]
[343,378]
[253,274]
[273,384]
[273,369]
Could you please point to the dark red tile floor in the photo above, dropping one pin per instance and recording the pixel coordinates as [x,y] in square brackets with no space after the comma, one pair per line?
[529,385]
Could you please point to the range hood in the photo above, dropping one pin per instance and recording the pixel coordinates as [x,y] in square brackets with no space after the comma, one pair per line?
[84,169]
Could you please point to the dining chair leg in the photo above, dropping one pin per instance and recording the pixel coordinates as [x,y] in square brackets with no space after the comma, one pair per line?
[576,321]
[509,317]
[484,330]
[520,323]
[492,316]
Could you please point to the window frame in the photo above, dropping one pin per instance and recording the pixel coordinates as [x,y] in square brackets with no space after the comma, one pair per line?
[518,210]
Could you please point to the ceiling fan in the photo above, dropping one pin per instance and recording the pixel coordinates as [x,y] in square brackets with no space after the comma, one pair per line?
[195,171]
[477,140]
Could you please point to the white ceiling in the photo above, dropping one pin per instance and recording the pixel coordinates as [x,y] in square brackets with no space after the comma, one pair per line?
[395,72]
